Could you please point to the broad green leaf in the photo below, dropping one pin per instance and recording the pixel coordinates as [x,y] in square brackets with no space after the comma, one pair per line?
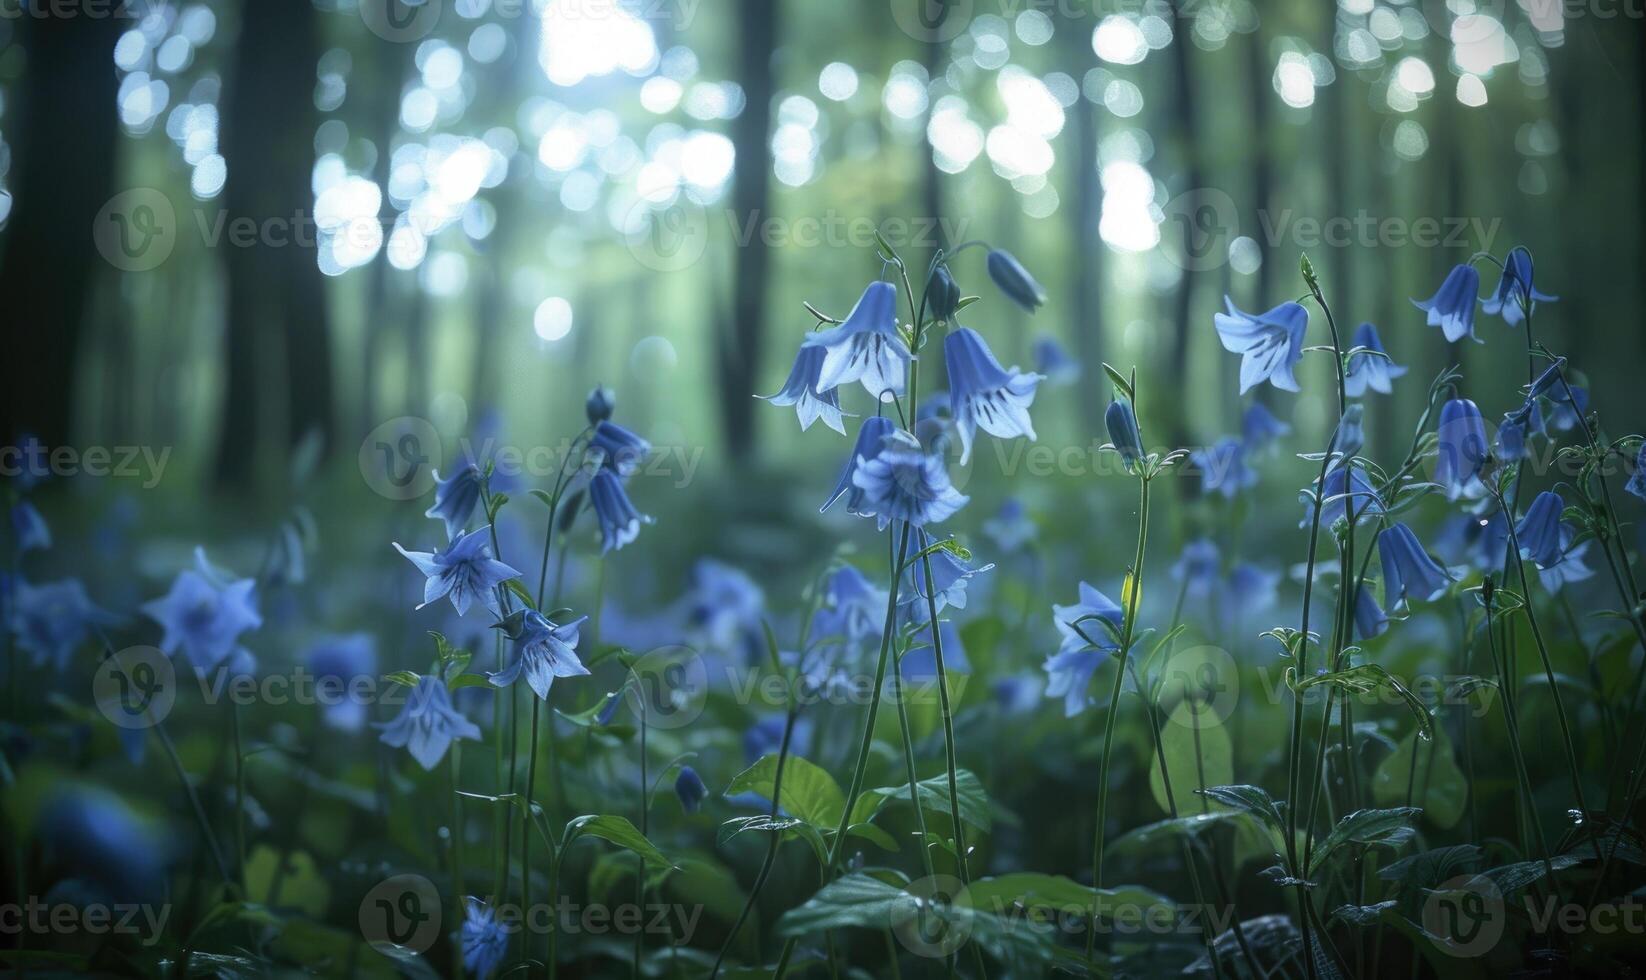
[934,796]
[1511,878]
[808,792]
[1364,915]
[615,830]
[1438,786]
[1425,869]
[1031,890]
[302,886]
[405,678]
[1372,679]
[1167,833]
[1392,827]
[1196,756]
[1252,799]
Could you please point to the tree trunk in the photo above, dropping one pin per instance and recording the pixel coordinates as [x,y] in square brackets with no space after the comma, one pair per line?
[1188,139]
[274,284]
[64,134]
[739,354]
[1085,214]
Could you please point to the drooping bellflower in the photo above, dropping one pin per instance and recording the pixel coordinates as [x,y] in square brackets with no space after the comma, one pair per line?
[1539,531]
[1270,344]
[1515,292]
[947,585]
[1517,427]
[1370,370]
[1408,571]
[1121,421]
[616,448]
[1052,361]
[1349,438]
[600,404]
[865,347]
[53,620]
[1343,485]
[1014,281]
[871,438]
[800,390]
[982,394]
[1463,449]
[1370,619]
[204,613]
[1259,427]
[542,652]
[688,786]
[465,571]
[1069,671]
[618,519]
[724,604]
[1572,567]
[1452,307]
[455,497]
[905,483]
[853,608]
[1565,413]
[428,724]
[485,940]
[919,662]
[1198,568]
[1223,467]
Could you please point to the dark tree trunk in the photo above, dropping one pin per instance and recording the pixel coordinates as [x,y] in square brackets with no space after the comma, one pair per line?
[1086,261]
[64,133]
[1188,140]
[276,303]
[739,354]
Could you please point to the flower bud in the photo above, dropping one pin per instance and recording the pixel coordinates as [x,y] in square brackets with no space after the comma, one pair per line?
[1014,280]
[1121,420]
[942,294]
[601,401]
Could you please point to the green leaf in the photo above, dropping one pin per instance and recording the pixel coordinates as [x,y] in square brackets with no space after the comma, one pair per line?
[1425,869]
[1392,827]
[515,586]
[468,680]
[1032,890]
[1167,833]
[759,822]
[496,504]
[965,301]
[1511,878]
[1370,679]
[1252,799]
[405,678]
[302,886]
[934,796]
[543,495]
[808,792]
[1363,915]
[1438,787]
[453,661]
[1121,384]
[1196,755]
[615,830]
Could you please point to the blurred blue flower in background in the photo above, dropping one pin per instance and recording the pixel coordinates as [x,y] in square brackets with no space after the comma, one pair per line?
[1011,527]
[1565,412]
[29,528]
[93,836]
[339,664]
[465,571]
[616,448]
[1198,568]
[800,390]
[1452,307]
[865,347]
[52,620]
[982,394]
[1052,361]
[204,613]
[1637,480]
[853,608]
[428,724]
[1223,467]
[1518,426]
[723,604]
[485,940]
[919,662]
[688,786]
[1342,485]
[1259,427]
[1270,344]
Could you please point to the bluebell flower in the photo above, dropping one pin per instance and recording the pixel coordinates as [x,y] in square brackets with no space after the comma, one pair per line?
[485,940]
[1014,281]
[341,666]
[724,604]
[689,787]
[984,394]
[1052,361]
[1516,428]
[947,585]
[600,404]
[905,483]
[616,448]
[1370,619]
[1198,568]
[919,662]
[1515,289]
[866,346]
[1342,485]
[942,293]
[91,835]
[1069,671]
[455,498]
[1636,484]
[1408,571]
[1538,533]
[853,608]
[52,620]
[1349,438]
[428,724]
[1563,414]
[1270,344]
[1549,380]
[1370,370]
[1251,588]
[1010,528]
[871,438]
[205,613]
[1223,467]
[1572,566]
[1452,308]
[800,390]
[1259,427]
[1463,449]
[1121,421]
[29,528]
[542,651]
[765,736]
[465,571]
[618,519]
[1017,693]
[1480,541]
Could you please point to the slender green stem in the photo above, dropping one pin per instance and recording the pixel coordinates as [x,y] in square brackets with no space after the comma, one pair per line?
[526,823]
[239,795]
[1511,722]
[457,856]
[194,802]
[900,699]
[773,839]
[640,862]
